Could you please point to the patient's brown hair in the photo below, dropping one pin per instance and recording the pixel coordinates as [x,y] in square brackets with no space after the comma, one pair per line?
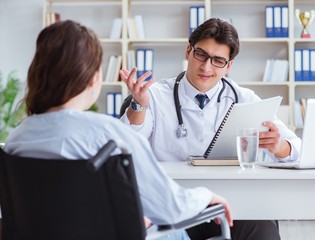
[67,57]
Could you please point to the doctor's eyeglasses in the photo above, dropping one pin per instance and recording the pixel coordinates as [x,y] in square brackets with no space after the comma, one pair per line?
[202,56]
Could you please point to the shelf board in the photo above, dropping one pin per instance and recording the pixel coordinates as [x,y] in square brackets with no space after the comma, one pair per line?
[259,83]
[117,83]
[304,40]
[263,39]
[184,40]
[109,40]
[166,2]
[159,40]
[84,2]
[248,2]
[304,83]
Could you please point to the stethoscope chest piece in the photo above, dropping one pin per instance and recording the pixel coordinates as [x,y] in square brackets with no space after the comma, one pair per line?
[181,131]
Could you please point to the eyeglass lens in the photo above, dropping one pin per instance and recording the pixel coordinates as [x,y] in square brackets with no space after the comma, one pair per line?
[203,57]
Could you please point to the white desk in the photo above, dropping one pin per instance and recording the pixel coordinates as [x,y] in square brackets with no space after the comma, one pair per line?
[260,193]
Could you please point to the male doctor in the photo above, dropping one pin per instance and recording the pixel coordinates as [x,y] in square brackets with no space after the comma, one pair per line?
[210,53]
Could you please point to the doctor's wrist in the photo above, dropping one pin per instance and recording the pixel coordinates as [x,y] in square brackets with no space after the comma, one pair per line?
[136,107]
[285,149]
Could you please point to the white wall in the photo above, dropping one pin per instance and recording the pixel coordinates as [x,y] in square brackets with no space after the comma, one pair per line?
[20,23]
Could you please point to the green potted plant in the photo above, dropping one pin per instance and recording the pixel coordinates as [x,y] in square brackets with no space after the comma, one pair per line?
[11,111]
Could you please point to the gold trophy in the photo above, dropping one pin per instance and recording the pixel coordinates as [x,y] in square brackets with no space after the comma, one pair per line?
[305,19]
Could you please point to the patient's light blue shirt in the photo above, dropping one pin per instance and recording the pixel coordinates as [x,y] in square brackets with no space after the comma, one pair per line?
[76,134]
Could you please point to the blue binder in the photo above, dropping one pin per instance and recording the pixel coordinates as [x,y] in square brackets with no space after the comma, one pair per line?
[148,62]
[305,65]
[144,61]
[277,21]
[312,64]
[113,103]
[269,22]
[196,17]
[140,60]
[298,64]
[284,21]
[193,18]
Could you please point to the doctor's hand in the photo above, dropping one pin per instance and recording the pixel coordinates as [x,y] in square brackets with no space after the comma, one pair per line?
[272,141]
[137,88]
[218,199]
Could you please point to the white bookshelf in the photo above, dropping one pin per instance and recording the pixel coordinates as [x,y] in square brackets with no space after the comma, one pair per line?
[166,26]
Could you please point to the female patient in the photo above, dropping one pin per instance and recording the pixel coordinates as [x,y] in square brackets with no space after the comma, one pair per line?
[64,79]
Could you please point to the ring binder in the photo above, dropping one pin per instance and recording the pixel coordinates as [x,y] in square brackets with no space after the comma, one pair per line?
[214,139]
[241,115]
[223,144]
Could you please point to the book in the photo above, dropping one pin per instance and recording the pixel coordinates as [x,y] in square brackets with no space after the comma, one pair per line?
[117,67]
[139,26]
[109,77]
[109,69]
[131,28]
[115,32]
[131,59]
[268,70]
[276,70]
[240,115]
[52,17]
[214,162]
[113,67]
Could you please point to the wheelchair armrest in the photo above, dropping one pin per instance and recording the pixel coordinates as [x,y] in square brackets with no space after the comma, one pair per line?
[210,213]
[95,163]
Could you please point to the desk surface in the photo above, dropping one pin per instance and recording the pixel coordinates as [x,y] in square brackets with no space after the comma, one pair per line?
[183,170]
[259,193]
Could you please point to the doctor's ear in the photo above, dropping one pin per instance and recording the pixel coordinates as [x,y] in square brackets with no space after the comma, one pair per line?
[188,50]
[229,65]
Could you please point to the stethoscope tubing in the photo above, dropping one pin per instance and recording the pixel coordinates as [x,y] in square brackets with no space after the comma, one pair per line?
[181,130]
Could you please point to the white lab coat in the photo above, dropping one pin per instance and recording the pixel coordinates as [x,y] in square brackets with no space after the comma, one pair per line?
[161,120]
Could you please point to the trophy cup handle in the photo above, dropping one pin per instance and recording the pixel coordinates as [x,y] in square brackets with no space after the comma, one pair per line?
[312,16]
[297,14]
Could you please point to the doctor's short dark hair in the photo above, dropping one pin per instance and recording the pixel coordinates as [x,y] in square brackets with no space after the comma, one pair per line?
[219,30]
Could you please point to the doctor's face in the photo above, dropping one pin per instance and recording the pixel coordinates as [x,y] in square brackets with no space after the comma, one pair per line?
[203,72]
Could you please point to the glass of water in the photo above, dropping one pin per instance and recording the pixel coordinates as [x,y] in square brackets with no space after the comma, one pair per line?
[247,146]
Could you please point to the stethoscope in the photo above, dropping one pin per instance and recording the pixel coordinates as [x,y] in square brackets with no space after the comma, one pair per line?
[181,130]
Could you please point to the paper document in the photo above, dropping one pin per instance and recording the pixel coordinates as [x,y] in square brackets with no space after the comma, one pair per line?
[240,115]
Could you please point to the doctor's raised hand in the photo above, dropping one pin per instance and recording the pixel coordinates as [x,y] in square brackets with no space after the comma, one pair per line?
[138,90]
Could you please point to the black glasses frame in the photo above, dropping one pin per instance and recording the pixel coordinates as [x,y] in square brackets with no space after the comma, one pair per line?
[206,57]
